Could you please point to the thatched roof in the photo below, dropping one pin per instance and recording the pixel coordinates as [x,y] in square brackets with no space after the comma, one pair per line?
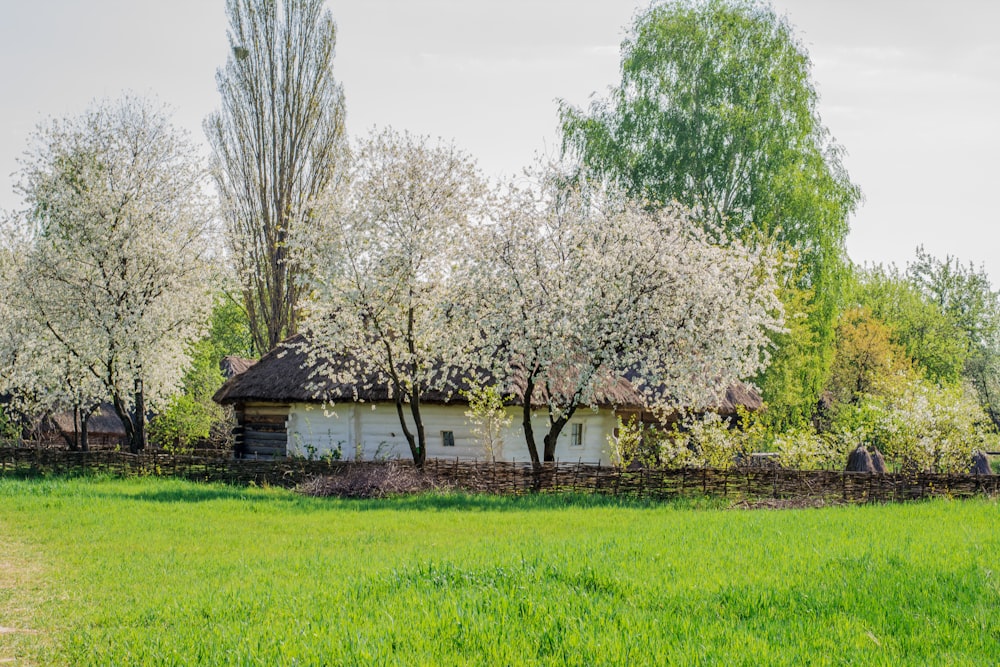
[103,422]
[231,365]
[285,375]
[738,396]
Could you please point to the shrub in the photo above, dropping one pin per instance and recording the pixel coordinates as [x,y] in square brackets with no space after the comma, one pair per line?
[706,441]
[922,426]
[636,443]
[804,449]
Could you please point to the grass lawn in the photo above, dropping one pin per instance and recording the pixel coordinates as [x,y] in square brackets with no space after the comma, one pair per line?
[164,572]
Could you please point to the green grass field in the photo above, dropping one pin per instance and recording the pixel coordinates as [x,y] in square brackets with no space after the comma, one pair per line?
[164,572]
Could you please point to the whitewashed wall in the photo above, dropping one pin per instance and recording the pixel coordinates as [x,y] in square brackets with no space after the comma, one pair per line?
[372,430]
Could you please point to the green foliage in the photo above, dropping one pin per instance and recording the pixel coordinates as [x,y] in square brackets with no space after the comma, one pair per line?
[932,339]
[716,110]
[217,575]
[712,441]
[709,441]
[489,418]
[920,425]
[946,316]
[866,362]
[9,430]
[961,292]
[792,382]
[230,328]
[804,449]
[964,294]
[191,416]
[185,423]
[635,442]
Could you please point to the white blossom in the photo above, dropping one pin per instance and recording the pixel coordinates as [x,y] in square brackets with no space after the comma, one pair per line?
[115,280]
[380,267]
[575,287]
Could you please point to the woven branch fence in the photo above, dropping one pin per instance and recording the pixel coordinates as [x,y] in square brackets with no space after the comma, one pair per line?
[520,478]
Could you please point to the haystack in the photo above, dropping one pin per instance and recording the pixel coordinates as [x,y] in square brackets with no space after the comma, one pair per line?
[981,463]
[878,461]
[860,460]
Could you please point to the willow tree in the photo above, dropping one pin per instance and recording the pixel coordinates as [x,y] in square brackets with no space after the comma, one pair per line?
[276,143]
[716,110]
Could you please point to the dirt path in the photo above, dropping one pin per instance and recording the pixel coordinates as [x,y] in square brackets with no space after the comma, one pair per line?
[20,590]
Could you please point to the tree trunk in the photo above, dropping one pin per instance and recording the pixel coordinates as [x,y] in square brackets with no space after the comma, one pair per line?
[84,426]
[418,460]
[552,437]
[70,438]
[139,435]
[529,432]
[421,457]
[126,419]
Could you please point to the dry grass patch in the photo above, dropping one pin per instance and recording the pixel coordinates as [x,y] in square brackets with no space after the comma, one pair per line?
[373,481]
[21,593]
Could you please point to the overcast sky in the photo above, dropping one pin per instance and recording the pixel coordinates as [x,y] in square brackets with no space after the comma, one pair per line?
[910,88]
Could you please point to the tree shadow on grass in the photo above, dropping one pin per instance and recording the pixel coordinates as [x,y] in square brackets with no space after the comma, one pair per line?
[176,490]
[457,501]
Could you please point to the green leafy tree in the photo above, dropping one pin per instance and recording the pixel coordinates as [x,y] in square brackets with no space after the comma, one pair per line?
[489,418]
[962,292]
[798,368]
[716,109]
[965,296]
[932,339]
[191,416]
[867,361]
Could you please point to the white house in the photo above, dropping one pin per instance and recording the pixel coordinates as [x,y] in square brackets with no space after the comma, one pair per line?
[284,409]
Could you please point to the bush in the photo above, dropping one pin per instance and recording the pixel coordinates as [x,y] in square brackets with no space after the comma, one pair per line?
[636,443]
[921,426]
[804,449]
[715,444]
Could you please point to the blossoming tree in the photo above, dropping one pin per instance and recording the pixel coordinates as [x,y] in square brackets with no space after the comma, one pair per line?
[116,277]
[380,310]
[575,287]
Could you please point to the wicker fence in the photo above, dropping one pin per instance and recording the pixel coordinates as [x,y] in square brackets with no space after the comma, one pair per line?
[520,478]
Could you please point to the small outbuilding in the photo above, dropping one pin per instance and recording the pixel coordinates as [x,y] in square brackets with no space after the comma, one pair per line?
[104,428]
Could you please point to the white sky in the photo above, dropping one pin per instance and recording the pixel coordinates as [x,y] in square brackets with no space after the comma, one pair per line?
[910,88]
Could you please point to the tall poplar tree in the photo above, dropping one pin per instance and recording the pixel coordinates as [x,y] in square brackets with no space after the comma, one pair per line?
[276,144]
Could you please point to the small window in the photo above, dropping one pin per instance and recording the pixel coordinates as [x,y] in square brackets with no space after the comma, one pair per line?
[576,435]
[448,438]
